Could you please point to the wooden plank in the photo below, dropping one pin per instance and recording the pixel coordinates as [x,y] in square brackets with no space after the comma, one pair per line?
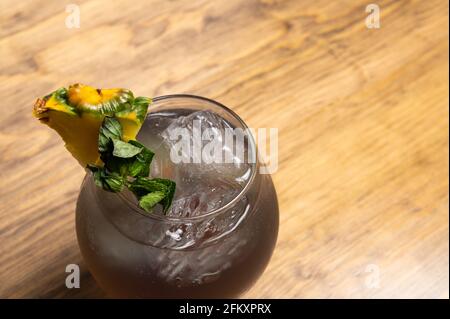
[362,117]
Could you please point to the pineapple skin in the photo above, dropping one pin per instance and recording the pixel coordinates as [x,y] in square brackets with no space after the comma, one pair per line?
[78,117]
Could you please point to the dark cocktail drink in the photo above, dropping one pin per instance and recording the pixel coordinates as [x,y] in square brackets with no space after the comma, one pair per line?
[218,235]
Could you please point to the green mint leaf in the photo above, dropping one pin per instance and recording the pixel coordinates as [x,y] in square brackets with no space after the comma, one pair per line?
[171,186]
[114,182]
[125,150]
[149,201]
[140,166]
[109,131]
[118,164]
[109,181]
[143,185]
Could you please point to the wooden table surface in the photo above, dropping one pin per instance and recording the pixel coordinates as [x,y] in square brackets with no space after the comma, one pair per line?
[362,117]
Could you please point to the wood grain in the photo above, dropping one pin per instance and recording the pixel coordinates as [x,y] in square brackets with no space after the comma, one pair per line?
[362,117]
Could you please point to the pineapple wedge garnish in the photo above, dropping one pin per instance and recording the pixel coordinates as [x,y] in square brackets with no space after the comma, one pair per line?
[77,113]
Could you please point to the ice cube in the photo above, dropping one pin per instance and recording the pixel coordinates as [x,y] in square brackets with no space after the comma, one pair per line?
[203,143]
[202,196]
[203,186]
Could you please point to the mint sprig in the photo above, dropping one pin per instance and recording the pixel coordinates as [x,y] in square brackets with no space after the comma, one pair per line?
[127,164]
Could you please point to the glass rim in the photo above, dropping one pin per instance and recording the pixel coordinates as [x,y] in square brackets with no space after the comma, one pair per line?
[231,203]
